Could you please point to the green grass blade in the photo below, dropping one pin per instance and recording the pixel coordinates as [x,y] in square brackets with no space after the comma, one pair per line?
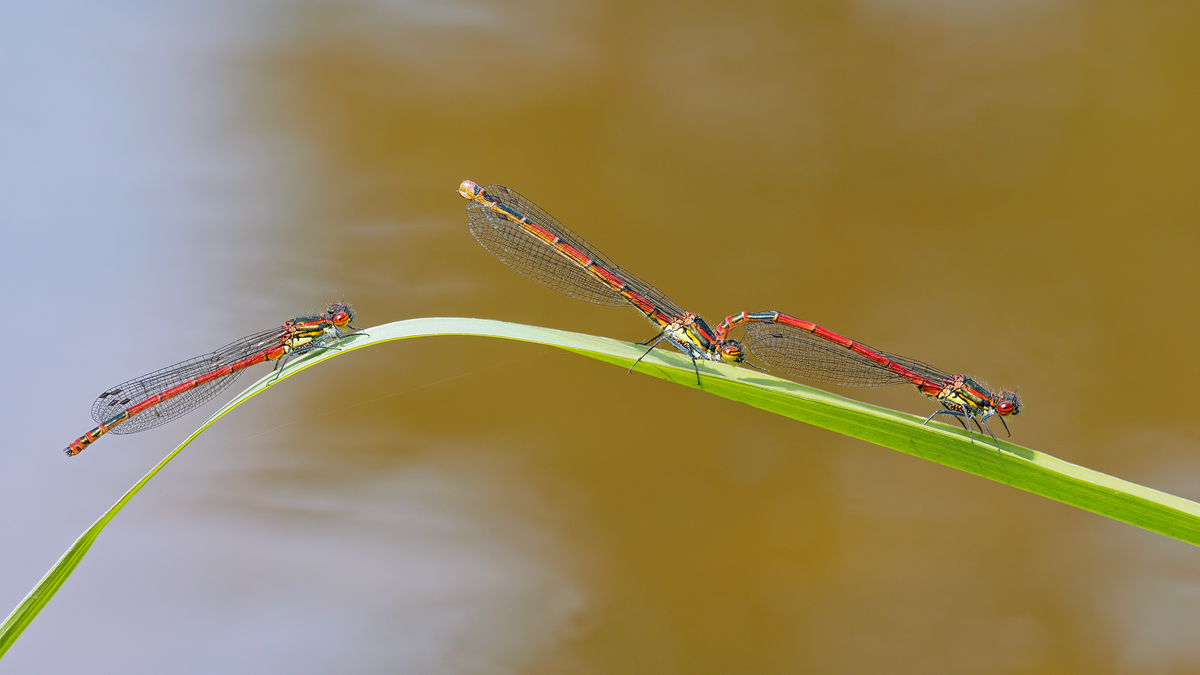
[1016,466]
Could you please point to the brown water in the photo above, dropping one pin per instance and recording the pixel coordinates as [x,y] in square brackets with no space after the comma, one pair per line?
[1003,189]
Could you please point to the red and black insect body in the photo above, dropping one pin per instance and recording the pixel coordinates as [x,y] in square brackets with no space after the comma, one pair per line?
[172,392]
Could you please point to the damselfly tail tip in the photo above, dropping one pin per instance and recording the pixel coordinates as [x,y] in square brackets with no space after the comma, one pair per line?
[731,351]
[467,190]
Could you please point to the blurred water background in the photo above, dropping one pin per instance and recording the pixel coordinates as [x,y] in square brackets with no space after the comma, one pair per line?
[1006,189]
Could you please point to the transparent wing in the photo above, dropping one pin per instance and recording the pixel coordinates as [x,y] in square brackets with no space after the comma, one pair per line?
[536,260]
[120,398]
[808,356]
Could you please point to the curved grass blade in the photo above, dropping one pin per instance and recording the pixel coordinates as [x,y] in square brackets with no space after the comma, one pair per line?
[1016,466]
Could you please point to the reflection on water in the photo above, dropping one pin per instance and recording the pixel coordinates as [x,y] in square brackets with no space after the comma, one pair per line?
[429,567]
[999,188]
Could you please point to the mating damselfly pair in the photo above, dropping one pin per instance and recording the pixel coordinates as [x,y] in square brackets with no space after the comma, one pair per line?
[531,241]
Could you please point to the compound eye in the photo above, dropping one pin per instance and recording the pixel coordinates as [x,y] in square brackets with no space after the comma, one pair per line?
[1006,407]
[340,319]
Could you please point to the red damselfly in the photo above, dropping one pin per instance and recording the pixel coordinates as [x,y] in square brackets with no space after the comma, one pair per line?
[538,246]
[533,243]
[172,392]
[807,351]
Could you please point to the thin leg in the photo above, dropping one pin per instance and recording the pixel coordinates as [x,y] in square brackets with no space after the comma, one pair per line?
[1005,426]
[957,418]
[985,426]
[696,368]
[280,365]
[989,431]
[286,357]
[639,359]
[954,414]
[654,339]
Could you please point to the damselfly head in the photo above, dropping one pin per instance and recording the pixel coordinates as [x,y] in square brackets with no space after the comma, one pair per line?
[732,351]
[340,314]
[468,190]
[1009,404]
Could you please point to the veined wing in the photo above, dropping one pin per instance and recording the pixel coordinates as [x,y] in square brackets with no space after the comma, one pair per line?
[120,398]
[811,357]
[537,260]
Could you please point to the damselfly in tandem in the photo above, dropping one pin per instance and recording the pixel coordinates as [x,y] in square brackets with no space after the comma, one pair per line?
[535,244]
